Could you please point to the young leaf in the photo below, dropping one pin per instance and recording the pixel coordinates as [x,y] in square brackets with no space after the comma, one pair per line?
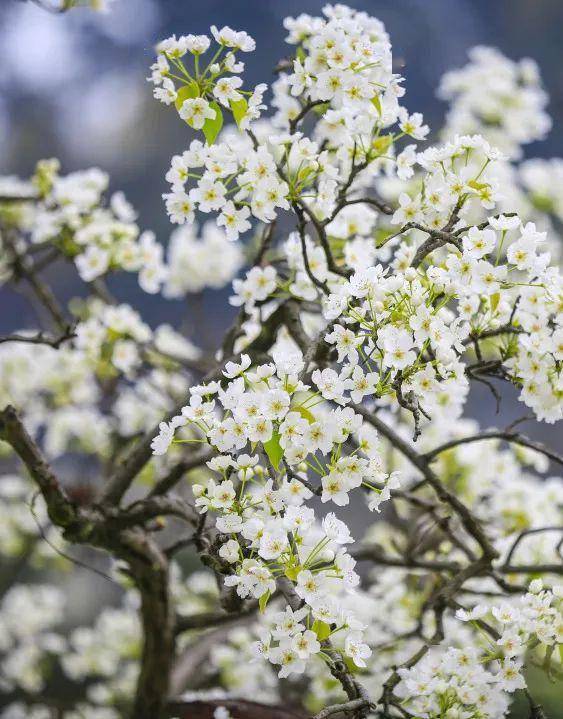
[376,102]
[274,450]
[213,127]
[239,109]
[477,185]
[264,599]
[292,572]
[304,412]
[321,629]
[187,92]
[321,109]
[382,144]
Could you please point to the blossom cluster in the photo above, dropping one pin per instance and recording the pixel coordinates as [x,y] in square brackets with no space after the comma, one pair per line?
[21,530]
[272,533]
[116,332]
[473,673]
[344,60]
[59,389]
[199,92]
[415,323]
[106,651]
[344,68]
[103,655]
[70,213]
[26,636]
[502,100]
[475,682]
[59,393]
[195,263]
[506,486]
[233,180]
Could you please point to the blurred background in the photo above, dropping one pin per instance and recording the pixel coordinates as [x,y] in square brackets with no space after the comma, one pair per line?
[73,86]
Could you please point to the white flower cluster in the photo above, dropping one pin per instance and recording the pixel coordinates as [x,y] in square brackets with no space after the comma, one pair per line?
[17,527]
[543,181]
[20,533]
[195,263]
[115,333]
[71,214]
[407,275]
[106,653]
[475,682]
[27,639]
[506,486]
[272,533]
[200,92]
[453,681]
[59,389]
[343,59]
[234,180]
[500,99]
[59,392]
[393,323]
[344,66]
[534,618]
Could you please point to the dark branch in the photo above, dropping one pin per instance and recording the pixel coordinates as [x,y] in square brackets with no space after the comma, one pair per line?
[41,339]
[507,436]
[469,522]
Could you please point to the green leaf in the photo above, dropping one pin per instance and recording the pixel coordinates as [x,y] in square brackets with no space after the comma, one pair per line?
[321,109]
[274,450]
[376,102]
[382,143]
[352,668]
[304,412]
[321,629]
[186,92]
[213,127]
[478,186]
[542,202]
[292,572]
[495,299]
[239,109]
[264,599]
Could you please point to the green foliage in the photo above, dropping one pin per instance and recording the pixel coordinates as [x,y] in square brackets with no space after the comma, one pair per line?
[274,450]
[239,109]
[187,92]
[213,127]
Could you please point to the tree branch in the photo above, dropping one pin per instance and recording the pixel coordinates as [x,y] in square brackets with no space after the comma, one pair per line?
[343,708]
[469,522]
[206,620]
[61,510]
[507,436]
[41,339]
[304,111]
[24,267]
